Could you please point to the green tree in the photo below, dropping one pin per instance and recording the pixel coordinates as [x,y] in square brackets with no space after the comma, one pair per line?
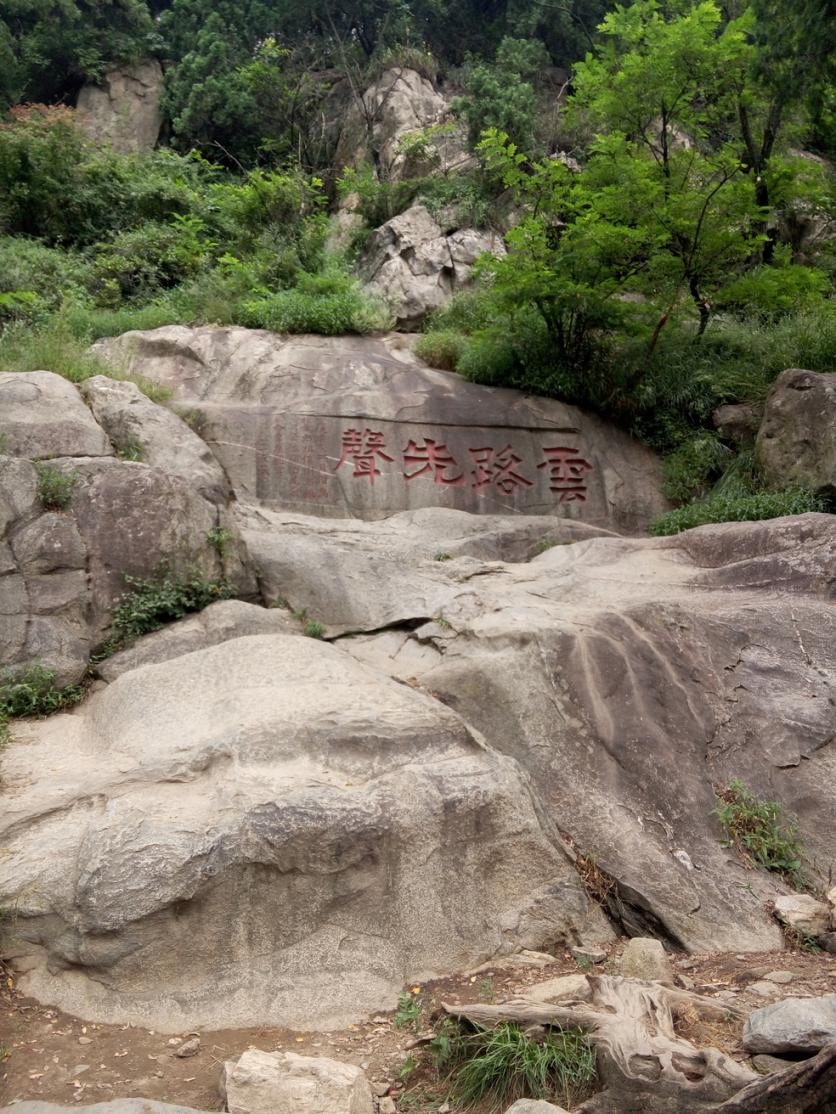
[49,47]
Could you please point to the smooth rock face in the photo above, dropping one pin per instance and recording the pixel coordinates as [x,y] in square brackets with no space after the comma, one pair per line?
[795,1025]
[417,267]
[61,571]
[116,1106]
[627,676]
[284,1083]
[267,831]
[797,439]
[359,427]
[124,111]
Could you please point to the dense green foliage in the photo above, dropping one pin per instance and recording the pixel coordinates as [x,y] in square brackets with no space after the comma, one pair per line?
[32,692]
[150,604]
[739,508]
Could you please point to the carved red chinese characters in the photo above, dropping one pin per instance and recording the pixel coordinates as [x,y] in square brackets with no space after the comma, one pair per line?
[497,468]
[362,450]
[567,473]
[433,458]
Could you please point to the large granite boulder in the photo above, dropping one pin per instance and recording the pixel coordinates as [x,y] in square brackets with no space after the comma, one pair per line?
[268,831]
[398,106]
[124,111]
[795,1026]
[62,567]
[628,677]
[360,427]
[796,443]
[417,267]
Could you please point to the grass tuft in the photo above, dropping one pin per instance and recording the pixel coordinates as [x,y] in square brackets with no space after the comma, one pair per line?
[760,831]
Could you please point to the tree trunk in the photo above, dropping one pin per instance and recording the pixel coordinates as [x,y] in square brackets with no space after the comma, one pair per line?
[805,1088]
[645,1066]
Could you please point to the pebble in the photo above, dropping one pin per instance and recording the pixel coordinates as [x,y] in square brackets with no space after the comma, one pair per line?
[188,1048]
[780,977]
[594,955]
[763,988]
[387,1106]
[85,1040]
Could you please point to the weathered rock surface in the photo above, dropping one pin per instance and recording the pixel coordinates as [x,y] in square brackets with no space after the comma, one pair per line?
[645,958]
[795,1025]
[796,443]
[359,427]
[154,435]
[116,1106]
[417,267]
[43,415]
[61,571]
[124,111]
[364,576]
[284,1083]
[627,676]
[803,913]
[268,831]
[398,105]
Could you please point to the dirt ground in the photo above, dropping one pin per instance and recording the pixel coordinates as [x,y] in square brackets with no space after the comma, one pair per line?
[48,1055]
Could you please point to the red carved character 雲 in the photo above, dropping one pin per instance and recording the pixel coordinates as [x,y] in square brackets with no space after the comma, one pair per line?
[362,449]
[497,468]
[433,458]
[567,473]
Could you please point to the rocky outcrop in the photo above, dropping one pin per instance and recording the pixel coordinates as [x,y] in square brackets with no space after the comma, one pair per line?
[116,1106]
[63,564]
[417,267]
[796,442]
[360,427]
[360,832]
[124,111]
[401,104]
[284,1083]
[628,677]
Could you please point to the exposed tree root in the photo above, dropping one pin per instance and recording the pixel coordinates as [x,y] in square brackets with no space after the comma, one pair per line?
[805,1088]
[644,1065]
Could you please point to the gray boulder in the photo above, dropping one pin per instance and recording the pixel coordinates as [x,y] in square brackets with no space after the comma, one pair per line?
[399,105]
[645,958]
[800,1026]
[796,443]
[417,267]
[327,832]
[124,111]
[358,427]
[62,570]
[285,1083]
[43,415]
[155,435]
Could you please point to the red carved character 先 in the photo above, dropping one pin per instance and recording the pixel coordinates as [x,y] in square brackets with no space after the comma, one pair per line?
[567,473]
[433,458]
[497,468]
[362,449]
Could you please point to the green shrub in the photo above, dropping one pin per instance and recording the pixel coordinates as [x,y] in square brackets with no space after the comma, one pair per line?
[33,692]
[760,831]
[441,348]
[695,466]
[498,94]
[408,1013]
[772,292]
[378,201]
[737,508]
[329,304]
[503,1064]
[55,488]
[54,275]
[139,262]
[314,630]
[150,604]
